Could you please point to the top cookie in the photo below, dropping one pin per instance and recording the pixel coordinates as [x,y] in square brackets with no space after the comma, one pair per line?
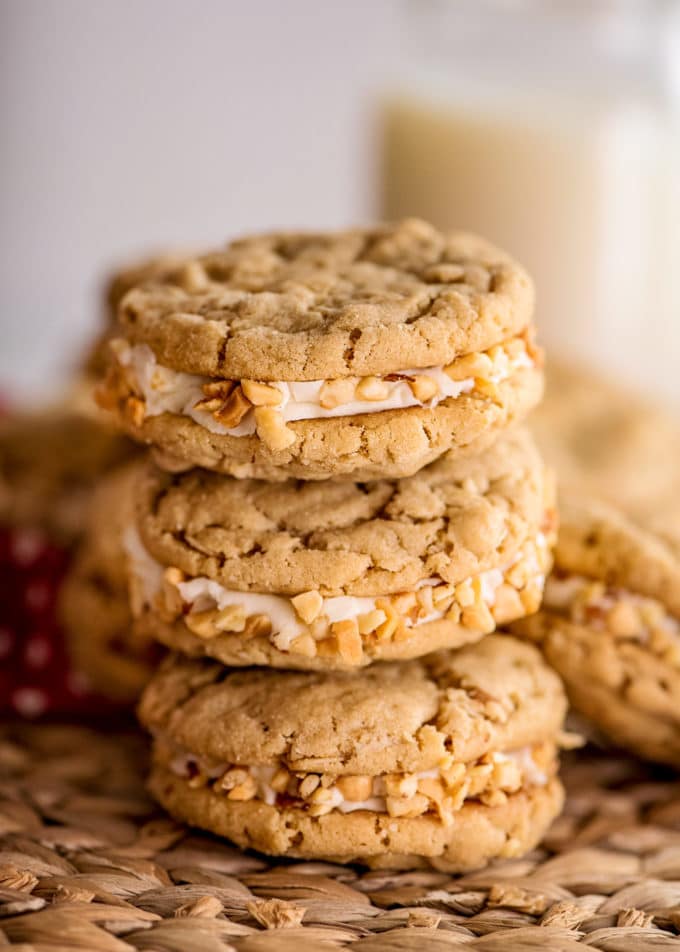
[305,306]
[495,695]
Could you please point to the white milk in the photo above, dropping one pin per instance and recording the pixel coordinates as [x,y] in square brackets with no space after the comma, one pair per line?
[553,129]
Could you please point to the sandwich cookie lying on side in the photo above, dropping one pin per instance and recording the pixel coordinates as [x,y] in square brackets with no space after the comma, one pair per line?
[610,626]
[362,354]
[448,761]
[93,602]
[339,574]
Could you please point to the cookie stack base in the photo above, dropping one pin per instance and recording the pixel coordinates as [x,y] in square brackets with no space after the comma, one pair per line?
[479,833]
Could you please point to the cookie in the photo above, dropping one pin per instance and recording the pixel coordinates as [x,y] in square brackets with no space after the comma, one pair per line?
[609,443]
[448,761]
[339,574]
[93,603]
[610,626]
[49,462]
[358,354]
[116,287]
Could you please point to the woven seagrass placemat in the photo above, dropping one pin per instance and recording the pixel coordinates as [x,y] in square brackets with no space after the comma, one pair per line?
[88,863]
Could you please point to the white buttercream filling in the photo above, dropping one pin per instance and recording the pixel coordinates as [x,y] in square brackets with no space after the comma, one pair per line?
[147,572]
[576,594]
[203,594]
[172,391]
[181,764]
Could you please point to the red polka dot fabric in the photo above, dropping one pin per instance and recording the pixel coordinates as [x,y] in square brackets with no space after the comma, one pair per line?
[36,677]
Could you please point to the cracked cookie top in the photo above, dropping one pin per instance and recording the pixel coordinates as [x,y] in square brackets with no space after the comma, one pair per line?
[494,695]
[306,306]
[456,518]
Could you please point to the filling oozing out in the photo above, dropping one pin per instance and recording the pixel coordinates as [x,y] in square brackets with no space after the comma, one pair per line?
[442,790]
[619,612]
[242,407]
[312,625]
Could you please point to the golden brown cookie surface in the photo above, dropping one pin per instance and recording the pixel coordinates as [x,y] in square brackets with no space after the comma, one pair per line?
[289,306]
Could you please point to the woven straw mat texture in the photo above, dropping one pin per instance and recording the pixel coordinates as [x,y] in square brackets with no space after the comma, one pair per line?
[88,863]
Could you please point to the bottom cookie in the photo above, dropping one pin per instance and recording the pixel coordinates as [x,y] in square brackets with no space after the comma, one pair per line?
[478,834]
[448,762]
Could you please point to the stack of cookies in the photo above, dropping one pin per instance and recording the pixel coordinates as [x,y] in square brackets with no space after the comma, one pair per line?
[340,511]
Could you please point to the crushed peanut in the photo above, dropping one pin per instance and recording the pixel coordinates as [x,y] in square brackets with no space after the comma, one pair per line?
[442,790]
[257,626]
[138,387]
[261,394]
[336,393]
[202,624]
[350,645]
[371,621]
[215,394]
[135,410]
[308,605]
[372,388]
[304,645]
[479,366]
[423,388]
[233,409]
[476,604]
[272,430]
[624,615]
[231,618]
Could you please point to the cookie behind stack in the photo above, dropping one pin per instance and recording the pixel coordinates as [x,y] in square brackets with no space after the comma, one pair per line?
[610,626]
[50,461]
[336,367]
[116,659]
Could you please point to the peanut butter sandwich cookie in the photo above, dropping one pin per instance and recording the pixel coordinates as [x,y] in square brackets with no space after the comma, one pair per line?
[448,761]
[363,354]
[93,602]
[610,626]
[339,574]
[50,459]
[607,442]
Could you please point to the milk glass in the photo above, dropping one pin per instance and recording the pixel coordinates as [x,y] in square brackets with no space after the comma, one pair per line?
[552,127]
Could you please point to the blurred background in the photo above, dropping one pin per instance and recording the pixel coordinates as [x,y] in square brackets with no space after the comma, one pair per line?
[135,126]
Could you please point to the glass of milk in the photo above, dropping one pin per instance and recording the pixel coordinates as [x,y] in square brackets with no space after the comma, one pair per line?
[553,128]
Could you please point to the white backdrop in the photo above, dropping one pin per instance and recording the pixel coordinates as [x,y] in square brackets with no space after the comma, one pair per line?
[129,125]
